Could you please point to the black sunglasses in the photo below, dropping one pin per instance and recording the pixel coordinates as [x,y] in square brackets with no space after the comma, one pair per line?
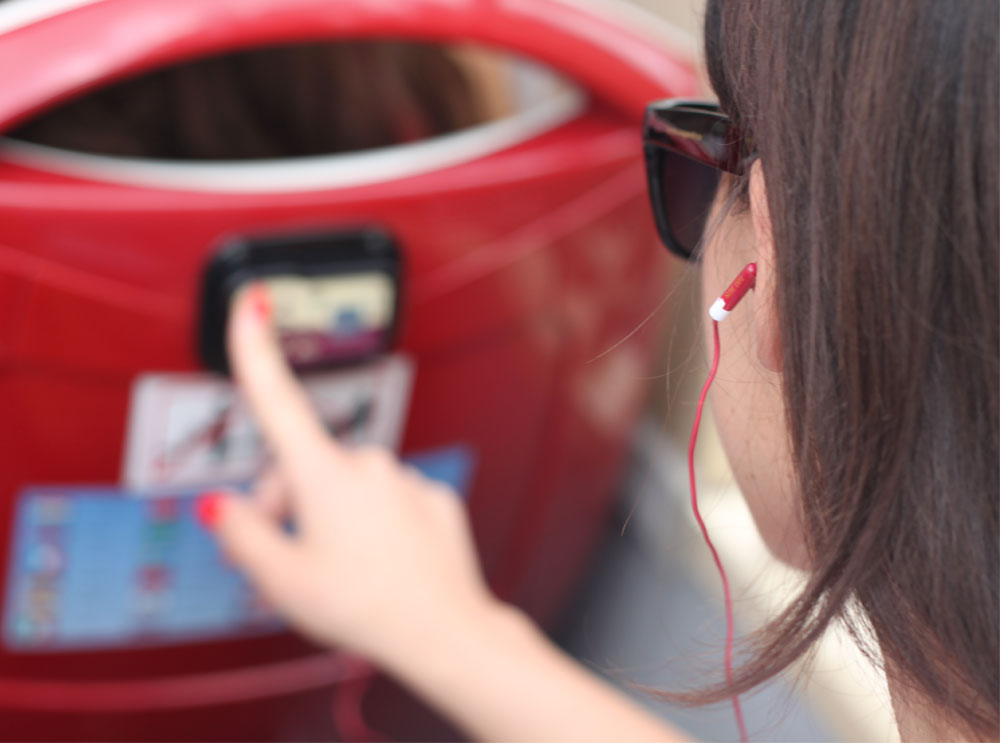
[688,145]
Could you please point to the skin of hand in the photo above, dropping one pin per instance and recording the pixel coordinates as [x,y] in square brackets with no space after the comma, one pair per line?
[381,557]
[382,563]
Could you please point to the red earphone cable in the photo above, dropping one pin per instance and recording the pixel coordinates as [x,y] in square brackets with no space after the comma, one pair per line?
[737,710]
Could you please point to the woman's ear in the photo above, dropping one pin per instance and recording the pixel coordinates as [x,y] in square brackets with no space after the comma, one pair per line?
[767,329]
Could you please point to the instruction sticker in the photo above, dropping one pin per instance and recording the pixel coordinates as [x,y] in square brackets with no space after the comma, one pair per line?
[191,430]
[94,566]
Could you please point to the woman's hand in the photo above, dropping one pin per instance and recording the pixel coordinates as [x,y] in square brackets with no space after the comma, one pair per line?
[382,563]
[381,557]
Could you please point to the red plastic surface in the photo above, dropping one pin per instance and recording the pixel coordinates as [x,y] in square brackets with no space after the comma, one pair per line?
[111,39]
[522,269]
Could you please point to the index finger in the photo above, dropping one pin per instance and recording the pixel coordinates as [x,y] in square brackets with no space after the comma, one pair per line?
[278,402]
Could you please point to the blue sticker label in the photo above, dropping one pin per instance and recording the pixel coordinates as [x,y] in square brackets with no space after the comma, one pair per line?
[95,567]
[452,466]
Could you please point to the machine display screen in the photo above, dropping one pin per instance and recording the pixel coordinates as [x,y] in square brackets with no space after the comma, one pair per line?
[92,567]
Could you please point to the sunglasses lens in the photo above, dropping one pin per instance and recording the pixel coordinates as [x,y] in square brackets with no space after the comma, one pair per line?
[688,189]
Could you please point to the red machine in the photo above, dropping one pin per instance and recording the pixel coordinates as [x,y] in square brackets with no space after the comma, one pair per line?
[528,254]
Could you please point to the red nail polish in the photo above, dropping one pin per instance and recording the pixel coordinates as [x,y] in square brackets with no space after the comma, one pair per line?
[260,301]
[208,509]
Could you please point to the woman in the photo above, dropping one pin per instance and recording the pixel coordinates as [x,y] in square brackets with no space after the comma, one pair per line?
[858,399]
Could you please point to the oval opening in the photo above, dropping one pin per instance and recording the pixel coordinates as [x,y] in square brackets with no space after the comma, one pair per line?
[298,111]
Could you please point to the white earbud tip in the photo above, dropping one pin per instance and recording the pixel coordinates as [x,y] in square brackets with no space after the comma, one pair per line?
[718,311]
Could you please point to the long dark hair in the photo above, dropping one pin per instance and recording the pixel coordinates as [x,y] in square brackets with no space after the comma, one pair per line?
[877,128]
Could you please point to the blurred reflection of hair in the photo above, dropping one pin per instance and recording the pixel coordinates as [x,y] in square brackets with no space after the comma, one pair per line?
[288,101]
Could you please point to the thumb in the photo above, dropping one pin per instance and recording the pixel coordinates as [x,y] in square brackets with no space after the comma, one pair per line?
[257,545]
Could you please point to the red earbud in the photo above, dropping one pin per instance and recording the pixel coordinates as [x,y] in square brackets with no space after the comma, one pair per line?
[743,283]
[719,310]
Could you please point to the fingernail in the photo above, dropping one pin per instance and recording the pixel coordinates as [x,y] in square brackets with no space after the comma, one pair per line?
[260,301]
[208,509]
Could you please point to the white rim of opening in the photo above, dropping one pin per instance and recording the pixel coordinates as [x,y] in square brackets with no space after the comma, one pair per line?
[15,14]
[306,173]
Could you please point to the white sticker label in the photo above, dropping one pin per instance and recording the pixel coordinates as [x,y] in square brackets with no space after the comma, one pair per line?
[195,429]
